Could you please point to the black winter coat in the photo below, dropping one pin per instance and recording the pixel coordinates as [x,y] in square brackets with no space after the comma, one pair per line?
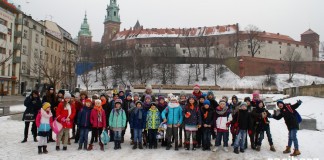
[127,107]
[53,101]
[243,119]
[33,105]
[213,104]
[290,118]
[209,120]
[261,123]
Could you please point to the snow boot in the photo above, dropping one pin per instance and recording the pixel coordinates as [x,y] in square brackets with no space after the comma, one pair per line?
[116,145]
[35,139]
[23,141]
[296,153]
[80,146]
[176,146]
[194,147]
[85,146]
[287,150]
[132,142]
[236,150]
[90,147]
[45,150]
[119,145]
[134,146]
[225,149]
[122,139]
[187,146]
[64,148]
[57,148]
[140,146]
[253,146]
[242,150]
[39,149]
[168,146]
[272,148]
[180,144]
[258,148]
[215,149]
[101,146]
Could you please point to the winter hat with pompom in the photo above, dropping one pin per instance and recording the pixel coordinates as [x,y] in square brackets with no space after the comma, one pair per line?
[46,105]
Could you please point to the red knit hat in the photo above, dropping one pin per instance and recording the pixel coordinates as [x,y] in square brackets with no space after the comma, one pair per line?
[88,100]
[197,87]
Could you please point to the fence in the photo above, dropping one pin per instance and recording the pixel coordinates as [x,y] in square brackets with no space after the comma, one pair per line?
[312,90]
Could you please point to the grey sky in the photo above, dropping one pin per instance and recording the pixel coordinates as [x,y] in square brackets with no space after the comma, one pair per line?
[290,17]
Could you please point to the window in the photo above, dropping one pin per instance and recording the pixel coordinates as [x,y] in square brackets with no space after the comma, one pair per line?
[23,67]
[42,40]
[52,44]
[184,51]
[297,45]
[249,52]
[41,55]
[280,43]
[259,52]
[2,50]
[270,42]
[2,36]
[3,22]
[37,37]
[249,46]
[24,49]
[34,26]
[47,43]
[288,44]
[51,58]
[115,13]
[280,51]
[55,47]
[26,23]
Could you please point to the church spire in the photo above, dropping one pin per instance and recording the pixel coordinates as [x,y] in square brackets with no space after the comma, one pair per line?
[85,29]
[112,12]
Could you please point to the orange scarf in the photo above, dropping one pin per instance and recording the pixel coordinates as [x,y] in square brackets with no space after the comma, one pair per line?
[191,106]
[103,101]
[205,115]
[98,108]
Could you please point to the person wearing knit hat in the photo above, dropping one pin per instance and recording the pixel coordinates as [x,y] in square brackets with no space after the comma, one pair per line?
[174,120]
[61,92]
[148,91]
[207,102]
[128,108]
[67,95]
[121,95]
[98,124]
[222,101]
[213,103]
[207,121]
[292,120]
[138,123]
[196,87]
[44,122]
[117,122]
[252,133]
[84,123]
[196,91]
[242,120]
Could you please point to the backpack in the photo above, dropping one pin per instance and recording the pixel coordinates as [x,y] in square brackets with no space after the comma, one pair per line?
[296,114]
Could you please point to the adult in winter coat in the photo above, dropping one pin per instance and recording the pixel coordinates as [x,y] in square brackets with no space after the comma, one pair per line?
[192,121]
[127,107]
[153,120]
[262,125]
[149,92]
[234,106]
[196,91]
[44,123]
[207,124]
[138,123]
[98,123]
[243,119]
[117,122]
[173,119]
[222,120]
[33,105]
[84,124]
[65,114]
[211,98]
[288,112]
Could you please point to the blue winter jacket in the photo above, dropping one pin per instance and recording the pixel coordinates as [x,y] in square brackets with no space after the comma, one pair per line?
[174,115]
[135,122]
[84,117]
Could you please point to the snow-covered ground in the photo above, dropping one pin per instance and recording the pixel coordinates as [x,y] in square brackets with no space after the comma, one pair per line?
[11,134]
[227,80]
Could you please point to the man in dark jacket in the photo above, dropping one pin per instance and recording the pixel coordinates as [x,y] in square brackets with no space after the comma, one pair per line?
[33,105]
[288,112]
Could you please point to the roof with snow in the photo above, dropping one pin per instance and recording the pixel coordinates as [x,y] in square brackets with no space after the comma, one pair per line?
[175,32]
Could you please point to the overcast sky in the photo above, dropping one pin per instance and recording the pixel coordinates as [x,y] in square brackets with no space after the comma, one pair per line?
[290,17]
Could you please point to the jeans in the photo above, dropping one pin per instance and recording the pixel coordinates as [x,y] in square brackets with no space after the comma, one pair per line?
[219,137]
[292,137]
[240,139]
[84,135]
[206,137]
[152,137]
[138,135]
[117,135]
[267,130]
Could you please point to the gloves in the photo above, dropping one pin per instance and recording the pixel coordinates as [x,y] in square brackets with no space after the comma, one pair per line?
[188,114]
[299,102]
[228,124]
[249,132]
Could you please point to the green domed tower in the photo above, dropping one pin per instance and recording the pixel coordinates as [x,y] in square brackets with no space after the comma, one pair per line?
[84,35]
[111,23]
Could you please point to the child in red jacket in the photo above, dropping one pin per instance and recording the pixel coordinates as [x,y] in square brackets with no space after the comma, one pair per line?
[44,121]
[65,113]
[98,123]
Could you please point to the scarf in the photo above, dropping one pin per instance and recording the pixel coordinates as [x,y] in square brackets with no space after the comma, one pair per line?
[191,106]
[103,101]
[206,114]
[68,107]
[98,108]
[173,105]
[197,95]
[221,111]
[139,111]
[46,114]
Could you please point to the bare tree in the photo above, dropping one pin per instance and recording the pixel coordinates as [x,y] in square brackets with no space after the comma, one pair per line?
[104,77]
[218,70]
[237,42]
[292,57]
[206,42]
[187,41]
[270,76]
[86,79]
[253,37]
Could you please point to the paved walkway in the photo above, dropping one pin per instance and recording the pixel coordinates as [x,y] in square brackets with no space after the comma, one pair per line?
[11,100]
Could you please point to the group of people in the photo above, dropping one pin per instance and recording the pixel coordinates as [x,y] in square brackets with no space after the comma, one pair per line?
[190,120]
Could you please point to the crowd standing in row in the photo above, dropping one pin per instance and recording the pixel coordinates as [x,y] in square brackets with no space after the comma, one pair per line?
[193,119]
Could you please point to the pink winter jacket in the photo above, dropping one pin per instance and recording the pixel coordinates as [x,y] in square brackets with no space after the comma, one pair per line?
[95,121]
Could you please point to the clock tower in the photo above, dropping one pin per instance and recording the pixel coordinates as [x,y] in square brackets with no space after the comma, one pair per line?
[111,23]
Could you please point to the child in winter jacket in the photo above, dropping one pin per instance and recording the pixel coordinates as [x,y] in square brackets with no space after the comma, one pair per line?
[153,121]
[263,125]
[242,118]
[98,123]
[65,113]
[84,124]
[44,121]
[222,120]
[138,122]
[207,122]
[288,112]
[174,120]
[192,121]
[161,105]
[234,106]
[117,121]
[182,102]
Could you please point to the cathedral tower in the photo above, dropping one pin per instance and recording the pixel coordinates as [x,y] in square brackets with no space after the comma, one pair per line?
[112,22]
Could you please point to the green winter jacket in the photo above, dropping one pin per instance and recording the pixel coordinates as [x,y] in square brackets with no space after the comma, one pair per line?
[153,119]
[117,119]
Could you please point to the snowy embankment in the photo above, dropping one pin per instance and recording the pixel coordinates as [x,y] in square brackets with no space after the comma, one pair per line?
[310,142]
[227,80]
